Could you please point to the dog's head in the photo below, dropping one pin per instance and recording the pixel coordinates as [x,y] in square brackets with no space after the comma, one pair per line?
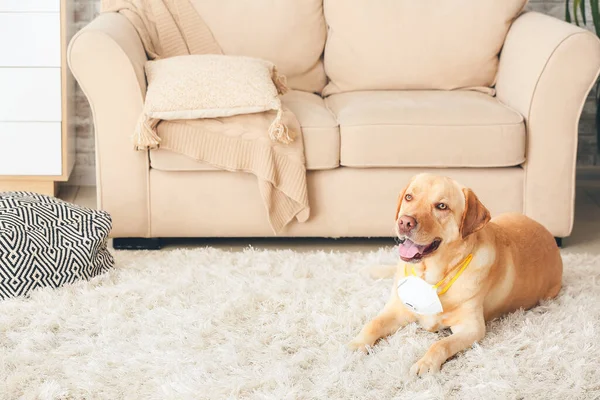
[434,212]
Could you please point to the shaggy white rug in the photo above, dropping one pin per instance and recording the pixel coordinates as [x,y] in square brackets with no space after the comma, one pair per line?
[210,324]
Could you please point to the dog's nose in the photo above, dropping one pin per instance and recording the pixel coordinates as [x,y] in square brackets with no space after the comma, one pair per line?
[406,224]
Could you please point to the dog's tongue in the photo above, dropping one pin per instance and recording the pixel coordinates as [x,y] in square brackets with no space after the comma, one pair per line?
[408,249]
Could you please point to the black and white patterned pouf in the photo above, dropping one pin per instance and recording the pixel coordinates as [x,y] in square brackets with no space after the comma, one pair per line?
[48,242]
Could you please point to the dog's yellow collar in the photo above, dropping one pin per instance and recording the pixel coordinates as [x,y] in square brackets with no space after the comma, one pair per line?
[461,267]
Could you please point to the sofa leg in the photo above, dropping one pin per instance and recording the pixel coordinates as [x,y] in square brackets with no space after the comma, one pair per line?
[559,242]
[137,243]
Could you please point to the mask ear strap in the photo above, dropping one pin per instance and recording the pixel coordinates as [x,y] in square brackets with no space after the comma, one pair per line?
[464,266]
[412,271]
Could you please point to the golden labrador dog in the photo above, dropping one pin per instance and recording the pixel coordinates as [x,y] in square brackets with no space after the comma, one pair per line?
[479,268]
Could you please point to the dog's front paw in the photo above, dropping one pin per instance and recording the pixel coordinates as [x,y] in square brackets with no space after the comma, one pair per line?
[358,345]
[425,365]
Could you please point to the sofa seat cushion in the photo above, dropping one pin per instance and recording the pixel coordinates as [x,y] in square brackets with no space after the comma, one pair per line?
[319,129]
[427,129]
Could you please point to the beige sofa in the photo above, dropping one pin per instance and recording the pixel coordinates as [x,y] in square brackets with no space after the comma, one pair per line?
[363,140]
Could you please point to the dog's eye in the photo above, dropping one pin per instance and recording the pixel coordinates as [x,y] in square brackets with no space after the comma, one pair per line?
[441,206]
[408,197]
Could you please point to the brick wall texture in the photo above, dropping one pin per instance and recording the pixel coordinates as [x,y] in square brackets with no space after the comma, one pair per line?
[84,173]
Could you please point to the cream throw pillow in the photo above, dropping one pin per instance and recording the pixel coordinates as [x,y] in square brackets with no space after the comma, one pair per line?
[210,86]
[415,44]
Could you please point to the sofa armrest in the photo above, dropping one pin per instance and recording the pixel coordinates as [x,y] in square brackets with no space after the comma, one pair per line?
[547,68]
[107,58]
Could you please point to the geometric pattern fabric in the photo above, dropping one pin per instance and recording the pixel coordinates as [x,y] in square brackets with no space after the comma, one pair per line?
[48,242]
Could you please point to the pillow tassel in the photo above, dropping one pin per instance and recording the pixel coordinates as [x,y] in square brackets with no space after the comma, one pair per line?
[280,81]
[145,137]
[278,131]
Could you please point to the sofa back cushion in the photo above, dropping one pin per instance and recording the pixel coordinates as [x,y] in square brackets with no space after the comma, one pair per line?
[415,44]
[289,33]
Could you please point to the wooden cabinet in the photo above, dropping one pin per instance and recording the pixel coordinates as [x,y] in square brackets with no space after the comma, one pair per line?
[37,139]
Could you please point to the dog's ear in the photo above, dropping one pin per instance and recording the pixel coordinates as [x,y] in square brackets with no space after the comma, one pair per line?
[475,215]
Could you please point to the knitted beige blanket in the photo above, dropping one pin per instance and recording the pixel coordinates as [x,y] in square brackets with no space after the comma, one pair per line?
[240,143]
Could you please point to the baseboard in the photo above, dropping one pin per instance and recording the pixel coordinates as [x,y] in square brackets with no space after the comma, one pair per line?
[588,173]
[137,243]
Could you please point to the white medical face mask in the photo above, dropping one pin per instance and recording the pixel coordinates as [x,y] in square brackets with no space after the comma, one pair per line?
[422,298]
[419,296]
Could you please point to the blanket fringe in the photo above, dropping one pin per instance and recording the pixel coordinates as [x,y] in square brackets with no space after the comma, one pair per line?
[280,81]
[145,137]
[278,131]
